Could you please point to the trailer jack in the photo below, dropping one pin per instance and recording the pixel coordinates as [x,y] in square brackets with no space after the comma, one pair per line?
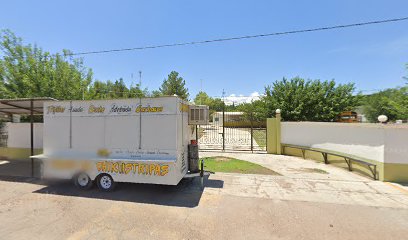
[200,174]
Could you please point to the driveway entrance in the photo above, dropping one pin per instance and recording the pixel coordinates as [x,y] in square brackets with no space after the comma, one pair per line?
[238,131]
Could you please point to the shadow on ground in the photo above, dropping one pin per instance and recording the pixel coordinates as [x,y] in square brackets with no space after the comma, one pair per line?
[19,168]
[186,194]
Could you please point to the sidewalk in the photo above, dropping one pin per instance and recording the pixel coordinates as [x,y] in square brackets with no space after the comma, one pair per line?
[305,180]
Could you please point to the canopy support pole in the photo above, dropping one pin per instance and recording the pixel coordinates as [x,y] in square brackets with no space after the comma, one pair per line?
[32,135]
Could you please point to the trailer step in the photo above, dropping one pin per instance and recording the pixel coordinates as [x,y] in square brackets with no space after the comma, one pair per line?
[192,175]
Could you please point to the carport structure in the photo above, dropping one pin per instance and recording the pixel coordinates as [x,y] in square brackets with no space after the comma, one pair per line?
[25,106]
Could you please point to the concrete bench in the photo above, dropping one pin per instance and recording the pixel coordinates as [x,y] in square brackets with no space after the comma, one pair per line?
[347,157]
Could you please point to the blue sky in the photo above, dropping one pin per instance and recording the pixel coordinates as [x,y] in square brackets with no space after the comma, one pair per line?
[373,57]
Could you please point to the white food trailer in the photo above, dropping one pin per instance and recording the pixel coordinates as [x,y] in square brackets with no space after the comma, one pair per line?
[143,140]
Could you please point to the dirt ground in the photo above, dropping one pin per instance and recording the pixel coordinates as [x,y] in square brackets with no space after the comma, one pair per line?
[337,205]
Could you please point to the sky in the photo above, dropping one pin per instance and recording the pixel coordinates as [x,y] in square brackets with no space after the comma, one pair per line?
[373,57]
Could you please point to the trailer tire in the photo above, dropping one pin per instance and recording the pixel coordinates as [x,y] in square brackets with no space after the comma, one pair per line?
[82,181]
[105,182]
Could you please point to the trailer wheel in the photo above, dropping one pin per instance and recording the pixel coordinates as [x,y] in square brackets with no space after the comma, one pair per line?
[105,182]
[82,181]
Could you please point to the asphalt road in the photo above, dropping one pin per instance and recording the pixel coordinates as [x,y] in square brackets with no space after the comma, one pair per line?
[298,204]
[31,209]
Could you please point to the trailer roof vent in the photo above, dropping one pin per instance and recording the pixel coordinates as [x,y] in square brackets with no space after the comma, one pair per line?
[198,115]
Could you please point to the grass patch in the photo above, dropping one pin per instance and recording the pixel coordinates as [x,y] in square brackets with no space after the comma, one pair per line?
[260,137]
[232,165]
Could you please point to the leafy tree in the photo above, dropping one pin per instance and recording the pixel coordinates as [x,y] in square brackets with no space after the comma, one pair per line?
[114,90]
[218,105]
[137,92]
[308,100]
[202,98]
[391,102]
[97,90]
[174,85]
[29,71]
[119,89]
[156,93]
[255,111]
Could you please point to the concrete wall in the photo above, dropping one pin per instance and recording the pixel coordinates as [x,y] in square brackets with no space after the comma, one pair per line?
[364,140]
[384,145]
[19,142]
[396,145]
[19,135]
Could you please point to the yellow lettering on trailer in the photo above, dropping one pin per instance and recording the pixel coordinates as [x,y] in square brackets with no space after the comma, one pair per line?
[136,168]
[128,168]
[141,169]
[101,166]
[184,107]
[157,169]
[140,108]
[164,170]
[55,109]
[96,109]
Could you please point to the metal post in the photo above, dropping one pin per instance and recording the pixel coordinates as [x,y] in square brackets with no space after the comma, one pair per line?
[140,123]
[223,126]
[266,132]
[140,113]
[252,133]
[70,124]
[32,135]
[278,132]
[196,130]
[202,173]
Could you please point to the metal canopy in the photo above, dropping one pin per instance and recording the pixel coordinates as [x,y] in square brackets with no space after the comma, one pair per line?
[24,106]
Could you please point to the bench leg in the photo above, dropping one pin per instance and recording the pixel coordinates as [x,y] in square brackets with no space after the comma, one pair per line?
[325,158]
[348,161]
[373,171]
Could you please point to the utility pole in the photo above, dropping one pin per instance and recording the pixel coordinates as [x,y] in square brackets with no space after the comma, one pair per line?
[201,91]
[131,85]
[223,120]
[131,79]
[140,113]
[140,80]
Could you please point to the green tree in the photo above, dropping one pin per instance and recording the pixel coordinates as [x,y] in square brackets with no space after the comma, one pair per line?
[137,92]
[29,71]
[97,90]
[391,102]
[202,98]
[308,100]
[155,93]
[174,85]
[114,90]
[218,105]
[257,110]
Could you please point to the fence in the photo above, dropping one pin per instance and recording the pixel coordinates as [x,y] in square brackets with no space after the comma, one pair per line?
[233,130]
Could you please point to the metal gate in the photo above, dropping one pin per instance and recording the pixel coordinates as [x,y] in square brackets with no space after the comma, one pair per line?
[233,130]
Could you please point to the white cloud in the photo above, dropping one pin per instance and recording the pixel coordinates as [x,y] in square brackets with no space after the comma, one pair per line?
[236,100]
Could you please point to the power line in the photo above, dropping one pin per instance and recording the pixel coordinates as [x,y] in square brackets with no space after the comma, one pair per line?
[244,37]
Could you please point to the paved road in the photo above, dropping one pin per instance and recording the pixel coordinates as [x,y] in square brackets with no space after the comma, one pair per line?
[295,205]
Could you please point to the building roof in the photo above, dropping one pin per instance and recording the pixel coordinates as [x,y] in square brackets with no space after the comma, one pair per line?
[23,105]
[231,113]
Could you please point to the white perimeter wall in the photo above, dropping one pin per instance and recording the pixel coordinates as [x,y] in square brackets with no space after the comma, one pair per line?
[19,135]
[396,147]
[383,143]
